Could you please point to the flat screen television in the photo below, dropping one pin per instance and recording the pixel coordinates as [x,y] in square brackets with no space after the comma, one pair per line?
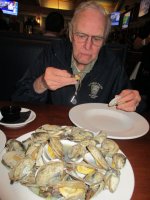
[9,7]
[115,18]
[126,18]
[144,7]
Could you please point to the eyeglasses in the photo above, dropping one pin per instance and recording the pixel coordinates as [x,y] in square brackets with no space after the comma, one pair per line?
[82,37]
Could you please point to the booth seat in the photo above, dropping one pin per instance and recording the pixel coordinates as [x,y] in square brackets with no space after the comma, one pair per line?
[16,55]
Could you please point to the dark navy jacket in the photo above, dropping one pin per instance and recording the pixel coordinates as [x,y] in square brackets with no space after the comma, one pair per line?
[108,77]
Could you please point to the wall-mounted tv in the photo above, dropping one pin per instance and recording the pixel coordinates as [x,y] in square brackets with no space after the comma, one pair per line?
[9,7]
[126,18]
[144,7]
[115,18]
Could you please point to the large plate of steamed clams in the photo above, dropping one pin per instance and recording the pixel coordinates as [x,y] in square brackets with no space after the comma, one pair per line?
[64,163]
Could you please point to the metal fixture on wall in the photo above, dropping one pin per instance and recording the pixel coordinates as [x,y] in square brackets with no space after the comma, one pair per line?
[57,4]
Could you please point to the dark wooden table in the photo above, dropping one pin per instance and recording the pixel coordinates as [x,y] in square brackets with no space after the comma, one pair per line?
[136,150]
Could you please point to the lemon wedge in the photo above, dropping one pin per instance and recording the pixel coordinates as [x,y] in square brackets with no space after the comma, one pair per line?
[84,170]
[51,153]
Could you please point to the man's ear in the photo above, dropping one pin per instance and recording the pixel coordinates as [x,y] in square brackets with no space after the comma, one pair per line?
[70,32]
[70,36]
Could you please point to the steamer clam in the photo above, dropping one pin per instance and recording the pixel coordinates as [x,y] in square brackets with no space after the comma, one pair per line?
[65,162]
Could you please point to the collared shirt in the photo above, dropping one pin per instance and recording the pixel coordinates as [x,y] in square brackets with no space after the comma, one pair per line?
[82,73]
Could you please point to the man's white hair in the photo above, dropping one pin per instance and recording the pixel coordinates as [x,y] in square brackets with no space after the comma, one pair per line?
[95,5]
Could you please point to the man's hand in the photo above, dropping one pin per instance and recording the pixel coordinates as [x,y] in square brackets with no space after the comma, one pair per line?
[53,79]
[57,78]
[128,100]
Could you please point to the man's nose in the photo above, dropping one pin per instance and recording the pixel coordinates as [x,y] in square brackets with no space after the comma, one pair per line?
[88,43]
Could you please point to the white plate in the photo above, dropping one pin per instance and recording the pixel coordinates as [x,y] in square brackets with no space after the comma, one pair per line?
[17,191]
[2,140]
[118,124]
[18,125]
[125,188]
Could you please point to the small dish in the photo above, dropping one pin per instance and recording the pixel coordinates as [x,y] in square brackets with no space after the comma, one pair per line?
[10,113]
[26,116]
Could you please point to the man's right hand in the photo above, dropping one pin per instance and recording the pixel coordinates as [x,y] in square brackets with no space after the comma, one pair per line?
[53,79]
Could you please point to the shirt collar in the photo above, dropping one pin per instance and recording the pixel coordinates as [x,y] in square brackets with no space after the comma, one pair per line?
[82,73]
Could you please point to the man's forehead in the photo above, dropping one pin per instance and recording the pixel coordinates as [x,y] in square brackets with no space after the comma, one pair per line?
[89,17]
[90,24]
[89,12]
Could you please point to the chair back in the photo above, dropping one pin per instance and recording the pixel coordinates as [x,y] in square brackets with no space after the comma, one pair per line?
[120,50]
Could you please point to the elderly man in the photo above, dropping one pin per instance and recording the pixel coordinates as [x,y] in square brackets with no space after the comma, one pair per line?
[82,71]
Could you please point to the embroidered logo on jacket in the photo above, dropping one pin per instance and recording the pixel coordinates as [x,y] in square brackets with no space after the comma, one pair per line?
[94,89]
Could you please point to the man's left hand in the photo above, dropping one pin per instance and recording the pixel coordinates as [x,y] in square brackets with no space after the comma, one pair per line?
[128,100]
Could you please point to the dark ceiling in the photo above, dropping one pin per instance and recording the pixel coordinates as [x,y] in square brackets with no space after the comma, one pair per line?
[29,2]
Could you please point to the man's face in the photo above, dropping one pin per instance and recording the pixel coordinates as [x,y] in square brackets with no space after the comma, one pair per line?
[87,36]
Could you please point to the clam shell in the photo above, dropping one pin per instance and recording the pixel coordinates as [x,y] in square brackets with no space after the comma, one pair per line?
[113,102]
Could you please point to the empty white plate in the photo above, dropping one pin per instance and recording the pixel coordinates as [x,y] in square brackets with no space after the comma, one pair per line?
[118,124]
